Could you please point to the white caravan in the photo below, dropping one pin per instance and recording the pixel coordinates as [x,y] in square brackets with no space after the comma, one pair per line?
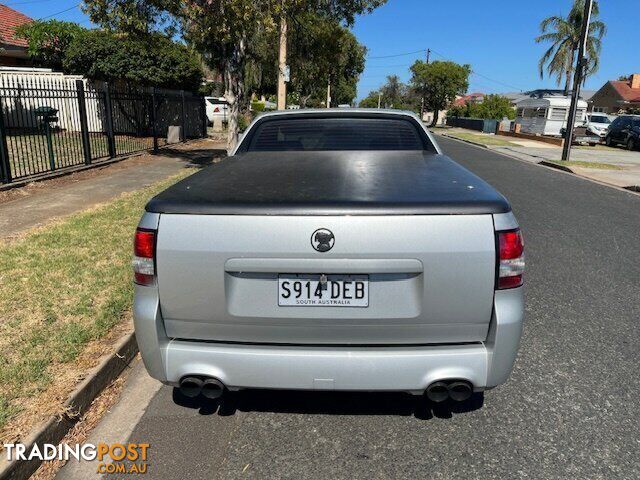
[547,115]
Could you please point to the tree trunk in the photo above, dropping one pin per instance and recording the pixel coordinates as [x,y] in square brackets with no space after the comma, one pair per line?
[569,73]
[436,113]
[233,72]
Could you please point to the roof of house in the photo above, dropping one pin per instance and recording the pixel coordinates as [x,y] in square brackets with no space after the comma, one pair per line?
[623,88]
[9,20]
[471,97]
[515,97]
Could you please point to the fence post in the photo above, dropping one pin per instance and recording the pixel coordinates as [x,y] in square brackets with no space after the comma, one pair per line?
[154,119]
[108,113]
[205,120]
[183,130]
[84,127]
[5,168]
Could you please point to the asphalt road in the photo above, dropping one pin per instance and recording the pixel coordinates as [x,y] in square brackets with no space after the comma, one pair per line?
[570,409]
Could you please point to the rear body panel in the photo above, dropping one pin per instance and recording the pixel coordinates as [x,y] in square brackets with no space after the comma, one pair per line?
[431,278]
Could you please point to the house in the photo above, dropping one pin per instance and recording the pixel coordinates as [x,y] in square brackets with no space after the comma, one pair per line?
[515,97]
[13,51]
[617,95]
[476,97]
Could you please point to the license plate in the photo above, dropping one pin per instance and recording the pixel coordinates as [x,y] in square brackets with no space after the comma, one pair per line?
[315,290]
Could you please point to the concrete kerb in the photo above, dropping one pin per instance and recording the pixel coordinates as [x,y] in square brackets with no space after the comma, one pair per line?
[55,429]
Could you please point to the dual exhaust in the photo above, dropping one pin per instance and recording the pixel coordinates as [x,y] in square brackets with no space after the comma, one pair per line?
[209,387]
[456,390]
[437,392]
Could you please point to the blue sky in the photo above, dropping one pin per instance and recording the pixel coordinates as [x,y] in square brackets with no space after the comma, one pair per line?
[496,38]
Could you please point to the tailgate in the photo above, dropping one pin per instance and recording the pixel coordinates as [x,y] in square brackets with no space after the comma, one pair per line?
[430,278]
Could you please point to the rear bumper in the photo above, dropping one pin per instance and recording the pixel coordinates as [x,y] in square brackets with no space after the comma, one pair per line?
[410,369]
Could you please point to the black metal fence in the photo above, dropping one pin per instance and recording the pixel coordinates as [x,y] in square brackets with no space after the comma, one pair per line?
[43,130]
[479,124]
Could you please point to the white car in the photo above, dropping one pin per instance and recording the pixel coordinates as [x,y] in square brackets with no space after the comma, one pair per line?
[597,124]
[217,107]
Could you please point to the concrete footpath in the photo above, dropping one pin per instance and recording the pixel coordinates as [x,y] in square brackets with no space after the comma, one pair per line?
[614,166]
[626,165]
[38,203]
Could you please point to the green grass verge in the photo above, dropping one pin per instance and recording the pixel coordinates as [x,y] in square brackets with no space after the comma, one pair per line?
[489,140]
[64,286]
[596,165]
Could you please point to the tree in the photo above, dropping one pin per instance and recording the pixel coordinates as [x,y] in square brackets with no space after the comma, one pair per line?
[564,35]
[225,30]
[346,68]
[493,107]
[321,50]
[49,40]
[152,60]
[438,83]
[371,100]
[132,16]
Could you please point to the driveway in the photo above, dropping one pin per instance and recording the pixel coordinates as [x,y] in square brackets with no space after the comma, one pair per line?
[570,409]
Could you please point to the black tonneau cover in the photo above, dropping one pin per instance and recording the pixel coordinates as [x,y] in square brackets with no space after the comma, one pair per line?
[332,183]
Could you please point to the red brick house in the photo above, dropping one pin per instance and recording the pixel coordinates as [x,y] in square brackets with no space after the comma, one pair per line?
[13,51]
[617,95]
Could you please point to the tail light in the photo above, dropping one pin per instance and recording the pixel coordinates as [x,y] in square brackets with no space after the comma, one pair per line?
[144,252]
[511,259]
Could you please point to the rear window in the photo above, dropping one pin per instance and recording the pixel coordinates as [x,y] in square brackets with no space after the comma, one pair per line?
[324,134]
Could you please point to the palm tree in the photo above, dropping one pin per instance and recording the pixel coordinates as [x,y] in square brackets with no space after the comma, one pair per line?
[564,35]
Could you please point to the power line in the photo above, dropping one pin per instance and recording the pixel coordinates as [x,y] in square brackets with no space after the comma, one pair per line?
[481,75]
[496,81]
[58,13]
[391,66]
[399,54]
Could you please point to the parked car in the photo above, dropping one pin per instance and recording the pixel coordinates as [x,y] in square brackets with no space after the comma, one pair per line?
[334,250]
[216,107]
[597,124]
[624,130]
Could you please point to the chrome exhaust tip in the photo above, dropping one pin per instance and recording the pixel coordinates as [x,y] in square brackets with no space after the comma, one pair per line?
[190,386]
[437,392]
[212,388]
[460,391]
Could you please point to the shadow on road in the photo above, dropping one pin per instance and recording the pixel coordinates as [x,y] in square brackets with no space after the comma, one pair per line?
[198,156]
[328,403]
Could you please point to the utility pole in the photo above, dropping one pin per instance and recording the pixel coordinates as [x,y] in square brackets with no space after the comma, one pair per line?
[282,64]
[422,97]
[329,93]
[577,79]
[379,99]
